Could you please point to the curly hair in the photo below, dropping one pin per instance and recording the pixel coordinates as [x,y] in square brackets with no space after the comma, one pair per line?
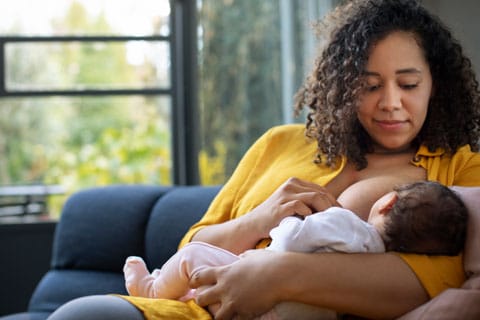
[427,218]
[331,91]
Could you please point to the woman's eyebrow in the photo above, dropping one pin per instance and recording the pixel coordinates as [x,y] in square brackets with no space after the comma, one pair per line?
[400,71]
[371,73]
[408,70]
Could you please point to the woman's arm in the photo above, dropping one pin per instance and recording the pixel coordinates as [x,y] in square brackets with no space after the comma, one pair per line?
[294,197]
[368,285]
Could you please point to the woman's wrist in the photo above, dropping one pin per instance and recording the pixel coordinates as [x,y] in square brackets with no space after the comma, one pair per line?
[236,235]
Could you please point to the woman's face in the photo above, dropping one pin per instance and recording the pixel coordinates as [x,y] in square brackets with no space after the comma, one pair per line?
[398,85]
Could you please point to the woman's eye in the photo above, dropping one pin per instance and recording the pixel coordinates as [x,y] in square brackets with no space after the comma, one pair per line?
[409,86]
[371,88]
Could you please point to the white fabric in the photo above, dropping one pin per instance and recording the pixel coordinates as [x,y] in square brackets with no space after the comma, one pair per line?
[335,229]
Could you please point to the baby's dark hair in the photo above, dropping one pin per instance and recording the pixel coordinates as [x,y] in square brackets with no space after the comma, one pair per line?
[428,218]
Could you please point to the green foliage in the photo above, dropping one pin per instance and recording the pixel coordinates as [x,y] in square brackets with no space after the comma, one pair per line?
[212,168]
[16,141]
[82,142]
[239,74]
[138,152]
[135,154]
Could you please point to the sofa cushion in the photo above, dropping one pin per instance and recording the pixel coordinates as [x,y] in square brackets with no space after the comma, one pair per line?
[171,218]
[100,227]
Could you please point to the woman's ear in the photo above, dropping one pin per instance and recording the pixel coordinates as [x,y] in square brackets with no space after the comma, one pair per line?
[388,203]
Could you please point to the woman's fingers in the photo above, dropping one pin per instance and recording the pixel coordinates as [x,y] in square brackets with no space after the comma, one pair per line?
[322,201]
[204,281]
[313,196]
[294,197]
[203,277]
[233,289]
[207,294]
[296,207]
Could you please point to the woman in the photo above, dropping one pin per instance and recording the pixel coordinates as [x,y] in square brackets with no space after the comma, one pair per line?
[391,93]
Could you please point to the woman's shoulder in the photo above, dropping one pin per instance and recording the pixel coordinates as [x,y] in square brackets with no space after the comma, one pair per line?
[467,150]
[463,151]
[288,129]
[466,156]
[288,132]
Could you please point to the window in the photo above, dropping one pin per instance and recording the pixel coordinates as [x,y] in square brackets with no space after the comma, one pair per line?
[96,92]
[253,56]
[86,93]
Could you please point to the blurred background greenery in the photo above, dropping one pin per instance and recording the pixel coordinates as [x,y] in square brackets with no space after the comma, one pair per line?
[84,141]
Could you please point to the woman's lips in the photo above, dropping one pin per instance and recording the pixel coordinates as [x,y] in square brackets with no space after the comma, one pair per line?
[391,124]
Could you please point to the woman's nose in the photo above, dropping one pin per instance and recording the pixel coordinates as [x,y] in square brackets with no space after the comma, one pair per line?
[391,98]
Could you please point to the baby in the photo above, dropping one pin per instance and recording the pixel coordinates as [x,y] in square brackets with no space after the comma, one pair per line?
[420,217]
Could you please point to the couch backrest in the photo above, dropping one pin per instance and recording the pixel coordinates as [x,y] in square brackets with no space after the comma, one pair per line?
[170,219]
[99,227]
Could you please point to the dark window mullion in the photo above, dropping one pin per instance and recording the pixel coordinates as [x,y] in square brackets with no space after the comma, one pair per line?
[184,100]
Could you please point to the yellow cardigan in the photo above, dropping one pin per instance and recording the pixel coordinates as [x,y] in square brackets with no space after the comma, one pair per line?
[285,152]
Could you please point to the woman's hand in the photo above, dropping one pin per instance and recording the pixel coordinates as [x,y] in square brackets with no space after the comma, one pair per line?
[367,285]
[241,290]
[294,197]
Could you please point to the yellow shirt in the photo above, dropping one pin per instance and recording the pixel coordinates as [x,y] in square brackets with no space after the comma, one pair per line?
[285,152]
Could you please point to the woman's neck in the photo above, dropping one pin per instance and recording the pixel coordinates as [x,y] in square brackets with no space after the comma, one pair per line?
[384,151]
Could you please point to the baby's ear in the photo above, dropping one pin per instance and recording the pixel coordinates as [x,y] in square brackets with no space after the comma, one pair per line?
[387,205]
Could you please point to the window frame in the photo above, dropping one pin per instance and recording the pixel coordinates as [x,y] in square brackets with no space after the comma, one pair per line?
[183,89]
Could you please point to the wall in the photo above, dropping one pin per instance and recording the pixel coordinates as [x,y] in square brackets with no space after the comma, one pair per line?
[463,18]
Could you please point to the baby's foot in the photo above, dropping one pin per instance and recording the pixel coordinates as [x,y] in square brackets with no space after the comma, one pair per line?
[136,277]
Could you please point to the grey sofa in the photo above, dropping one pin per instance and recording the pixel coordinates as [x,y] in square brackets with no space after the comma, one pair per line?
[100,227]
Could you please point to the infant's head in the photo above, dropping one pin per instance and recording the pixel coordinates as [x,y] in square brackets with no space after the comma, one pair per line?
[421,217]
